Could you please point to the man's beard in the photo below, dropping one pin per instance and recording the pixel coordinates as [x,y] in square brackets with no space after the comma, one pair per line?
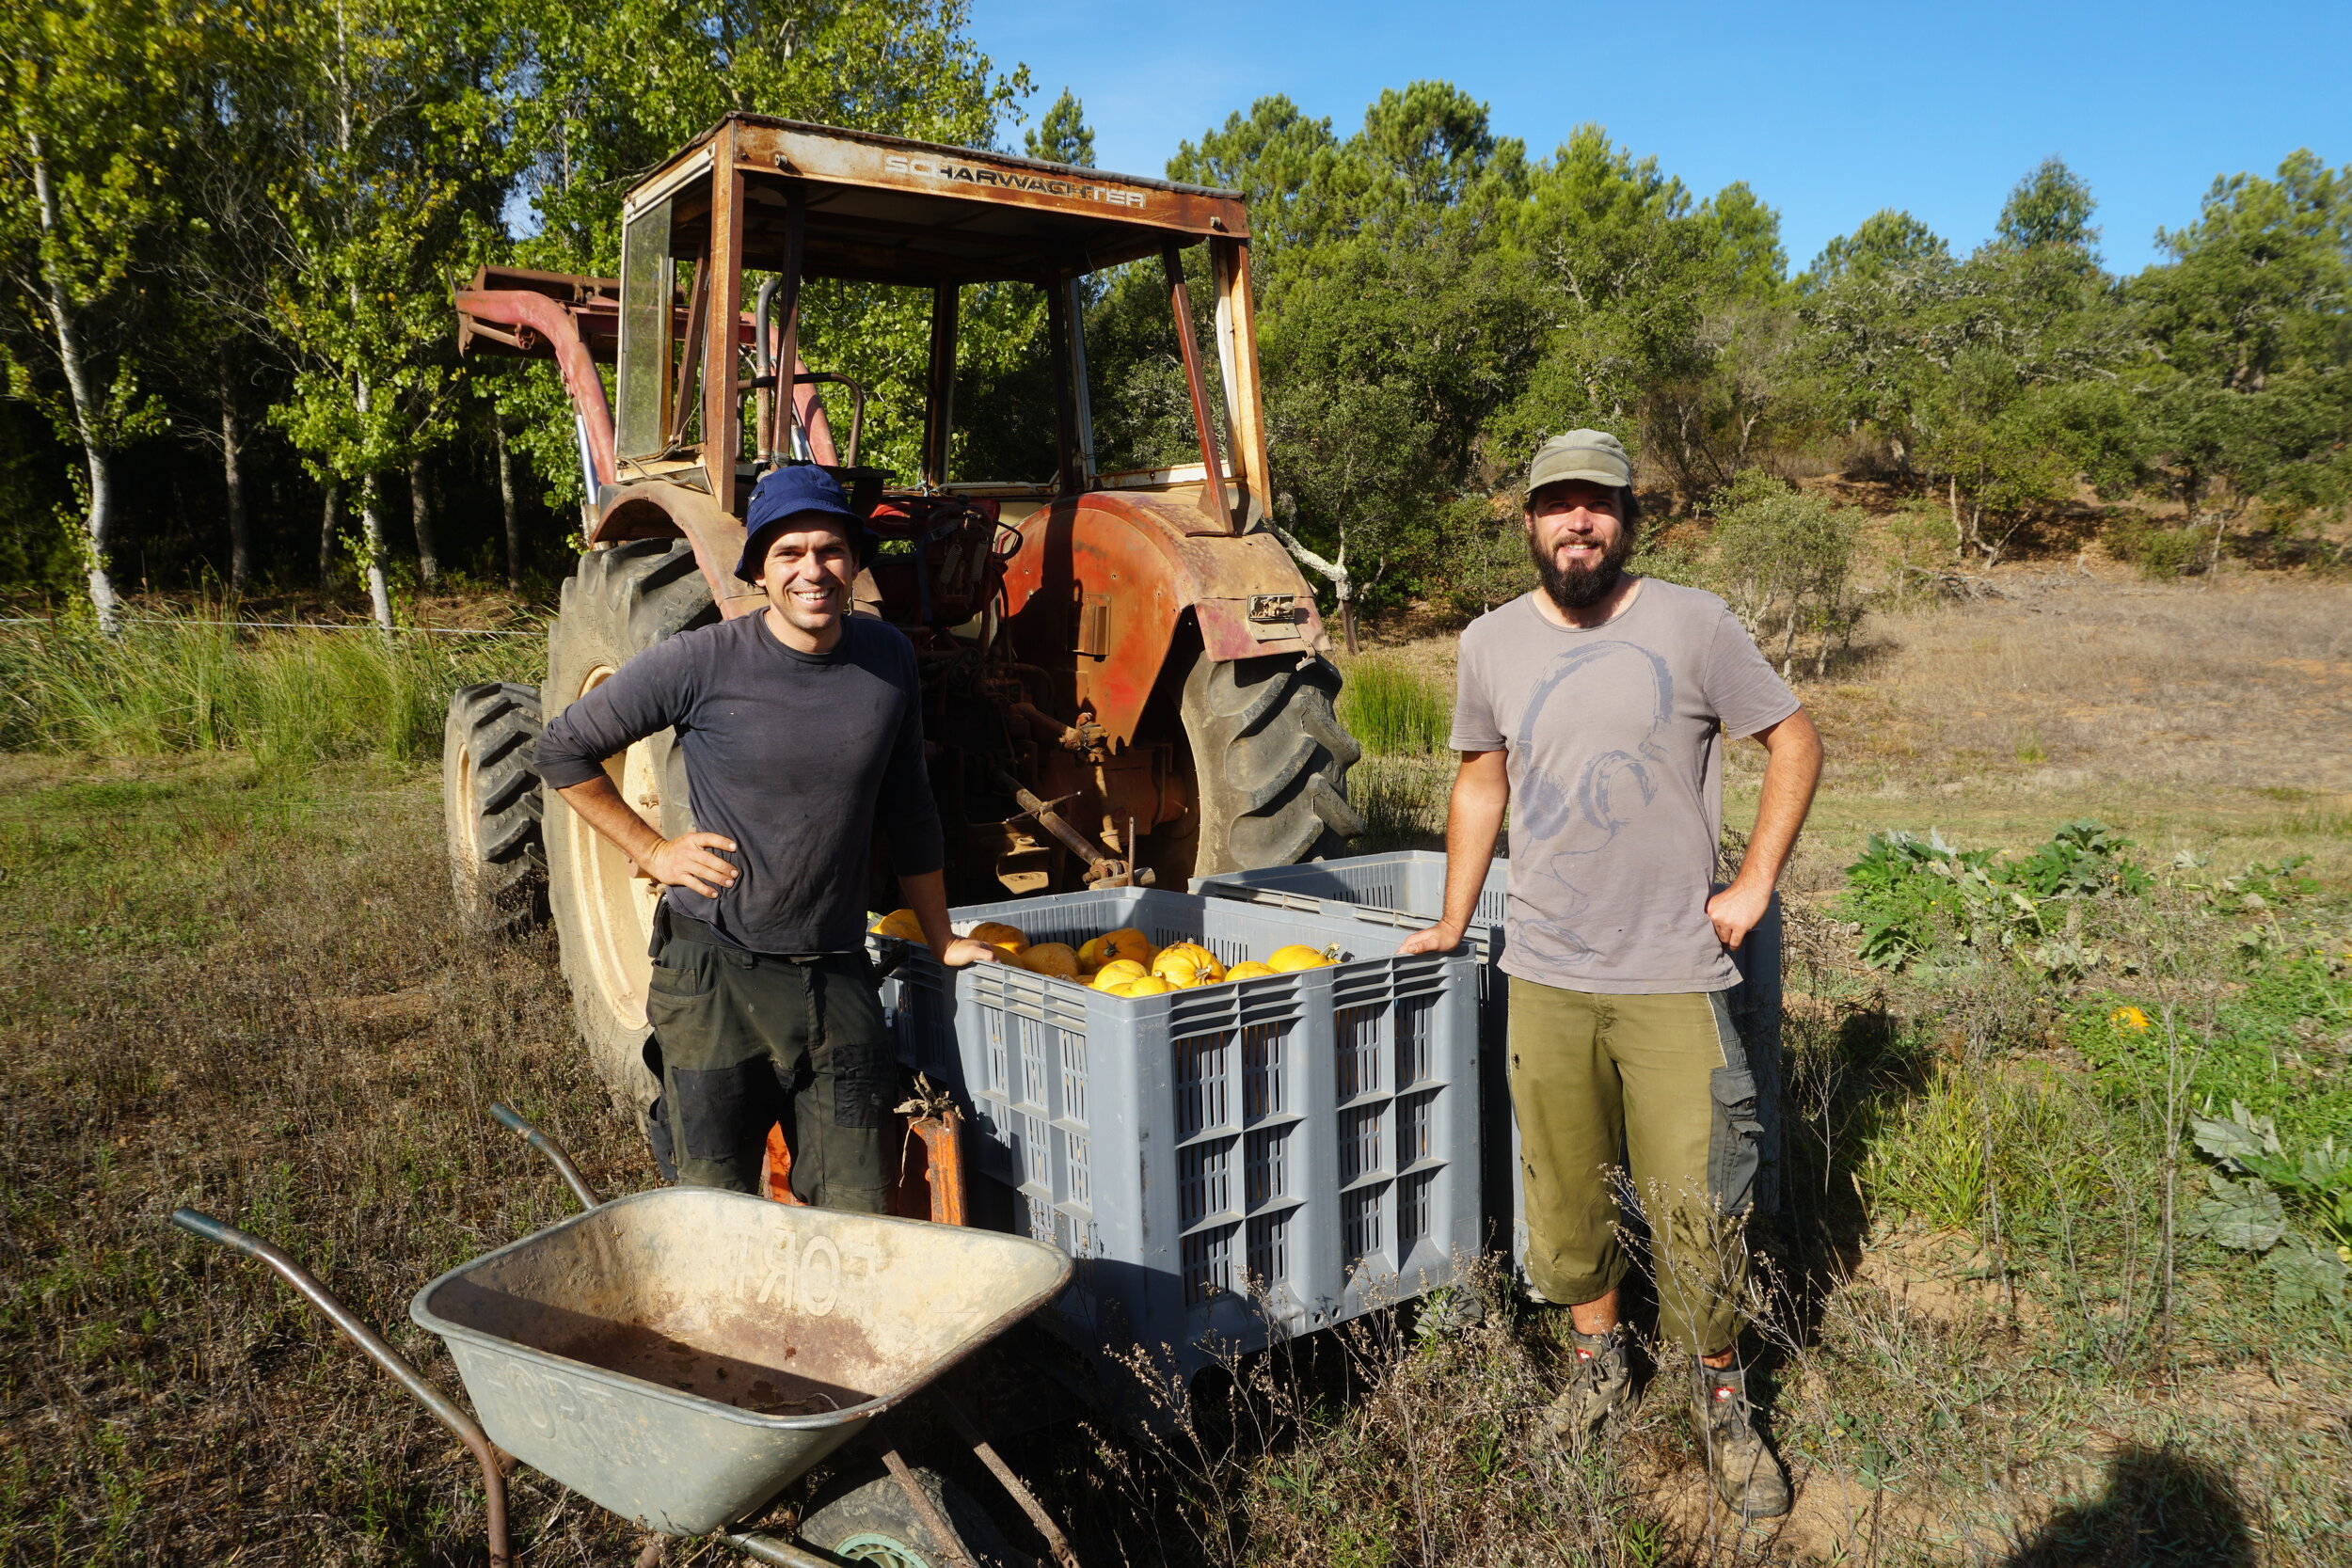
[1581,587]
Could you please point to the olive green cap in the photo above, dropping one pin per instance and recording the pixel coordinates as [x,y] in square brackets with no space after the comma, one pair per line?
[1594,455]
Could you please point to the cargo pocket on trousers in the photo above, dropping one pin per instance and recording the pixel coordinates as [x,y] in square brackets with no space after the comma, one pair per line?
[1734,1140]
[716,1105]
[853,1045]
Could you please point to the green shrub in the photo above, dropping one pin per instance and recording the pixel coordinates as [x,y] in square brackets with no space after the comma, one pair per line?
[287,697]
[1916,899]
[1784,562]
[2160,553]
[1393,709]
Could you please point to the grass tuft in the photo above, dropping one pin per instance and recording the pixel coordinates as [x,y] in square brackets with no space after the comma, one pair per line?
[289,698]
[1393,708]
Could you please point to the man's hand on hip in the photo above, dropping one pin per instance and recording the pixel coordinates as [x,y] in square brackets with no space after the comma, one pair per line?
[1439,938]
[687,861]
[1737,909]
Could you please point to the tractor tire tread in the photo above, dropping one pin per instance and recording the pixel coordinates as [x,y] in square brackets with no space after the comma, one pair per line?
[1271,759]
[498,861]
[617,604]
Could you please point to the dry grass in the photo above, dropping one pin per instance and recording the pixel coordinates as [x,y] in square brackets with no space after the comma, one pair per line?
[2071,680]
[241,992]
[2215,722]
[250,998]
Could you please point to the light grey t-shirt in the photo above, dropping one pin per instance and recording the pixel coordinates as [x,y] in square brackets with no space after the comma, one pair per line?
[1614,742]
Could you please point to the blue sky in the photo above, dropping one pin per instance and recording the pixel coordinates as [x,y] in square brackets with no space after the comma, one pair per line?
[1829,111]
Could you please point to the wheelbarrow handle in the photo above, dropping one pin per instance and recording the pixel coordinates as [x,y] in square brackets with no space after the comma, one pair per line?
[446,1410]
[507,1116]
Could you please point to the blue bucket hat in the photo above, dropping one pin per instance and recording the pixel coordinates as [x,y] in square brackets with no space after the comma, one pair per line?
[785,493]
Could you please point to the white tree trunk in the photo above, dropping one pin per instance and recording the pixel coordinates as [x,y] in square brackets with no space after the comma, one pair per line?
[372,525]
[98,525]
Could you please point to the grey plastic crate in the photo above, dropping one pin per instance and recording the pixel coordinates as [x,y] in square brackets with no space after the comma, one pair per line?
[1409,883]
[1231,1164]
[1404,890]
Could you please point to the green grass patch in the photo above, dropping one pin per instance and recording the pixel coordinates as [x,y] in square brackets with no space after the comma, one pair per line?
[1393,709]
[290,698]
[2277,1046]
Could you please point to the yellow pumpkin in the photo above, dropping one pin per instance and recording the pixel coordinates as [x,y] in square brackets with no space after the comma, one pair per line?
[1190,955]
[1179,973]
[1118,972]
[901,924]
[1151,985]
[1248,969]
[999,935]
[1050,957]
[1297,955]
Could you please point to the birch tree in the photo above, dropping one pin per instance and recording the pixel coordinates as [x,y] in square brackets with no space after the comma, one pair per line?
[399,180]
[88,134]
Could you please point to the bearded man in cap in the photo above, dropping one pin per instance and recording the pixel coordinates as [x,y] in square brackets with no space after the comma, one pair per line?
[1596,708]
[802,730]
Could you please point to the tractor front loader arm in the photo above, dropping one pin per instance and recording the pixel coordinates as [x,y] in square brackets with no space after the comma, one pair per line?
[576,321]
[537,325]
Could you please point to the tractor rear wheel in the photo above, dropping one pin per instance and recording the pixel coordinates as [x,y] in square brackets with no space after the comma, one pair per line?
[498,866]
[617,603]
[1270,761]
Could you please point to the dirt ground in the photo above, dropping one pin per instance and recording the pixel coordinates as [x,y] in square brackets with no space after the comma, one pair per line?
[2195,714]
[2068,679]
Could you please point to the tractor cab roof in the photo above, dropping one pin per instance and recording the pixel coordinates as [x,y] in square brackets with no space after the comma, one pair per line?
[880,209]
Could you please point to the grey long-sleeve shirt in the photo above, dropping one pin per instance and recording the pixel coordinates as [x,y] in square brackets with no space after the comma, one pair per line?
[793,755]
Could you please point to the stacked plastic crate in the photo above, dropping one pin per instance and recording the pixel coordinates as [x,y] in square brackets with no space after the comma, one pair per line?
[1404,890]
[1232,1163]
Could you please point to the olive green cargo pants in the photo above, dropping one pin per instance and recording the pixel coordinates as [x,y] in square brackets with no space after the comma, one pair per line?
[1648,1094]
[747,1040]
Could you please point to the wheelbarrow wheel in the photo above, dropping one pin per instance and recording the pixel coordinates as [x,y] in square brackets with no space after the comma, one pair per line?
[866,1517]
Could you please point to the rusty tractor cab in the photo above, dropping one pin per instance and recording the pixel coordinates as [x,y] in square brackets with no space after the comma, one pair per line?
[1123,673]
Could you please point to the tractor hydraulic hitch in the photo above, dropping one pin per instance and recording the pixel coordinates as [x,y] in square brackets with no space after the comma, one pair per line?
[1103,870]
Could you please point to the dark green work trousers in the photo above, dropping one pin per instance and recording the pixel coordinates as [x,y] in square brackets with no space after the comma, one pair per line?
[751,1039]
[1645,1097]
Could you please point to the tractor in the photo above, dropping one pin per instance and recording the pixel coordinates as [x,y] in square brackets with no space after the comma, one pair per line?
[1124,675]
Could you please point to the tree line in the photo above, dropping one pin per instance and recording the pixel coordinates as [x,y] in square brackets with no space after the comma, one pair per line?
[229,232]
[1436,302]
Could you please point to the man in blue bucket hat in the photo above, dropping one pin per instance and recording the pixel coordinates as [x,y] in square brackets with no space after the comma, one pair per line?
[802,730]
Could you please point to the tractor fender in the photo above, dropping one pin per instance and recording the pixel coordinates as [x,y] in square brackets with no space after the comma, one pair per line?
[1102,582]
[654,509]
[663,508]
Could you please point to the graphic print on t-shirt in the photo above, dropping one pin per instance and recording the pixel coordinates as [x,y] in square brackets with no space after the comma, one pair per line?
[1581,822]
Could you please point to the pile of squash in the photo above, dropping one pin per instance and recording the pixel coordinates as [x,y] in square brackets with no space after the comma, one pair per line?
[1121,962]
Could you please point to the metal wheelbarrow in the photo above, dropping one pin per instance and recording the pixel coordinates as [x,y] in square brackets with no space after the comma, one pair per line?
[682,1355]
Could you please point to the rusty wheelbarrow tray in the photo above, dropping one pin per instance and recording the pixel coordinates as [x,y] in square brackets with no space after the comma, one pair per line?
[682,1355]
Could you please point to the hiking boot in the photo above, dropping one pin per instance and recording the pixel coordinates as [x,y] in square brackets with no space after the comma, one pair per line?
[1601,1385]
[1747,1477]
